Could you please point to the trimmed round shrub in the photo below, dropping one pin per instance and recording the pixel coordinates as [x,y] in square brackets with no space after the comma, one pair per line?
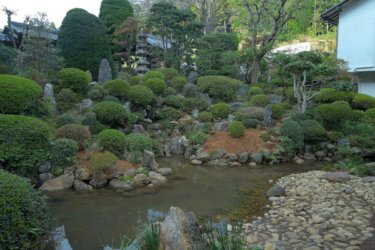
[251,123]
[194,103]
[18,95]
[190,90]
[371,114]
[293,130]
[25,222]
[313,130]
[75,132]
[255,91]
[153,74]
[117,88]
[169,73]
[135,144]
[197,138]
[66,118]
[169,113]
[205,116]
[111,113]
[110,98]
[95,94]
[170,91]
[333,115]
[74,79]
[23,143]
[141,95]
[260,100]
[173,101]
[236,129]
[66,100]
[156,85]
[178,83]
[135,80]
[277,111]
[220,110]
[100,161]
[221,88]
[62,152]
[364,102]
[112,140]
[329,95]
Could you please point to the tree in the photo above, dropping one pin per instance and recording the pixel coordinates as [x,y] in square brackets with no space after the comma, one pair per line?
[83,41]
[209,12]
[265,19]
[9,13]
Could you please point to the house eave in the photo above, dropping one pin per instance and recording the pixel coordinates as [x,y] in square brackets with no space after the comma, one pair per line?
[332,14]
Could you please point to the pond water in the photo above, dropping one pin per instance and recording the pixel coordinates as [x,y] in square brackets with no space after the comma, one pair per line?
[103,217]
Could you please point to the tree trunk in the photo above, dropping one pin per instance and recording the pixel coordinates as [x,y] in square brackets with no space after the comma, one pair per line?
[255,70]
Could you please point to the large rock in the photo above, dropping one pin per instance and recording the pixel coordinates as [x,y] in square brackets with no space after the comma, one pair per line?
[99,179]
[267,117]
[257,157]
[157,178]
[120,185]
[59,183]
[149,160]
[192,78]
[43,177]
[275,99]
[222,126]
[86,104]
[244,157]
[105,71]
[176,146]
[45,167]
[242,92]
[189,151]
[337,176]
[165,171]
[48,93]
[138,129]
[83,174]
[218,154]
[180,231]
[275,191]
[141,180]
[202,156]
[82,187]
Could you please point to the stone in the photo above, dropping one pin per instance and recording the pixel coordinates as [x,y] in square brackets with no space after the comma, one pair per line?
[196,162]
[138,129]
[48,93]
[343,142]
[234,164]
[356,150]
[82,187]
[270,246]
[244,157]
[368,179]
[86,104]
[218,154]
[43,177]
[298,160]
[231,157]
[206,97]
[202,156]
[148,161]
[222,126]
[242,92]
[275,99]
[167,149]
[59,183]
[141,180]
[195,113]
[192,78]
[128,106]
[83,174]
[176,147]
[180,231]
[234,106]
[157,178]
[330,147]
[252,164]
[337,176]
[320,155]
[231,118]
[257,157]
[165,171]
[120,185]
[275,191]
[308,156]
[189,151]
[45,167]
[267,117]
[105,71]
[99,179]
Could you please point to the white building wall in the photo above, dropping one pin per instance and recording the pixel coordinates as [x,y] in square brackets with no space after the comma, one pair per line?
[367,83]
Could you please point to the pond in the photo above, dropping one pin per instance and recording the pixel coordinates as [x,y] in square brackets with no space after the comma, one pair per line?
[103,217]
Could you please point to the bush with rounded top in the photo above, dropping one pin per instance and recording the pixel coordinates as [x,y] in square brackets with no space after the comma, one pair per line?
[111,113]
[141,95]
[197,138]
[170,91]
[194,103]
[333,115]
[89,119]
[156,85]
[219,87]
[362,101]
[112,140]
[117,88]
[135,80]
[75,132]
[249,113]
[18,95]
[62,152]
[277,111]
[292,130]
[101,161]
[178,83]
[260,100]
[25,221]
[236,129]
[313,130]
[190,90]
[95,94]
[255,91]
[110,98]
[23,143]
[74,79]
[65,119]
[371,114]
[169,113]
[173,101]
[329,95]
[135,144]
[66,100]
[169,73]
[153,74]
[205,116]
[220,110]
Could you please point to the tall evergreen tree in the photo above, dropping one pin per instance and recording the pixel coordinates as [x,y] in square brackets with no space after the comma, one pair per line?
[83,41]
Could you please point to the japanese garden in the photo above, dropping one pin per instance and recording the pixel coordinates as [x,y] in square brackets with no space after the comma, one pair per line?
[189,124]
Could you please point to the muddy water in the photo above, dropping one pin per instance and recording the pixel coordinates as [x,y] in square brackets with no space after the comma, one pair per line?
[101,218]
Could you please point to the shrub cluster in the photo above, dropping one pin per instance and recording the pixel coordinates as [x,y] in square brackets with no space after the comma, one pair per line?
[153,74]
[111,113]
[135,80]
[169,73]
[221,88]
[135,144]
[66,100]
[65,119]
[169,113]
[197,138]
[194,103]
[329,95]
[141,95]
[371,114]
[220,110]
[101,161]
[94,125]
[364,102]
[62,152]
[277,111]
[74,79]
[75,132]
[205,116]
[173,101]
[249,113]
[292,130]
[112,140]
[333,115]
[117,88]
[236,129]
[313,130]
[260,100]
[190,90]
[156,85]
[255,91]
[178,83]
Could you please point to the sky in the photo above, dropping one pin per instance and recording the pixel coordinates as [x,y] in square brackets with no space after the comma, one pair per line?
[55,9]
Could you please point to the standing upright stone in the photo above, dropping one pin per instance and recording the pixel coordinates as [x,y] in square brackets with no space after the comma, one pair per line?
[268,117]
[193,77]
[105,71]
[48,93]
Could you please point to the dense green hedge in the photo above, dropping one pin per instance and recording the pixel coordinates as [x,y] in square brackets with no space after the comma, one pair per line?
[333,115]
[156,85]
[117,88]
[141,95]
[24,219]
[221,88]
[112,140]
[294,131]
[313,130]
[169,113]
[329,95]
[236,129]
[101,161]
[178,83]
[220,110]
[66,100]
[173,101]
[111,113]
[23,143]
[153,74]
[277,111]
[169,73]
[74,79]
[75,132]
[255,91]
[135,144]
[18,95]
[362,101]
[194,103]
[205,116]
[260,100]
[62,152]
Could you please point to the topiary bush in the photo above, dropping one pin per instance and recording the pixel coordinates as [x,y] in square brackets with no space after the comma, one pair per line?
[25,221]
[292,130]
[236,129]
[313,131]
[364,102]
[173,101]
[75,132]
[205,116]
[277,111]
[190,90]
[18,95]
[23,143]
[65,119]
[89,119]
[117,88]
[153,74]
[170,91]
[96,94]
[141,95]
[156,85]
[197,138]
[112,140]
[221,88]
[220,110]
[169,73]
[255,91]
[135,144]
[66,100]
[371,114]
[329,95]
[260,100]
[360,134]
[100,161]
[62,152]
[111,113]
[178,83]
[74,79]
[135,80]
[169,113]
[190,104]
[333,115]
[110,98]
